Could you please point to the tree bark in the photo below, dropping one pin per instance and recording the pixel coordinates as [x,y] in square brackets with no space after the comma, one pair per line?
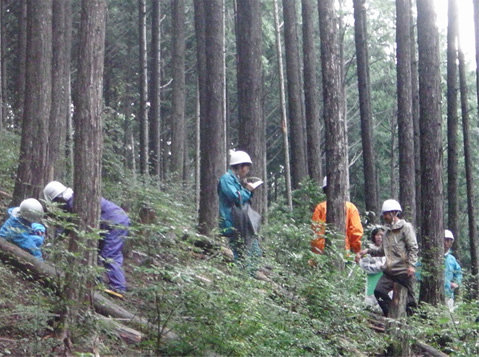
[313,127]
[476,33]
[21,59]
[2,60]
[60,109]
[155,97]
[432,286]
[249,73]
[200,89]
[143,87]
[87,121]
[336,149]
[284,117]
[299,170]
[3,75]
[212,129]
[364,89]
[36,113]
[452,124]
[415,116]
[407,174]
[468,162]
[400,344]
[178,133]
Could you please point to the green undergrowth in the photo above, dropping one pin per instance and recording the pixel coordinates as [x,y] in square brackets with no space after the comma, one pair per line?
[183,282]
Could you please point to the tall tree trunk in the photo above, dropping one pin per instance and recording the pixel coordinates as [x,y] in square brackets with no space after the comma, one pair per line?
[432,287]
[197,150]
[212,129]
[344,91]
[407,174]
[33,159]
[468,161]
[3,66]
[393,189]
[60,109]
[284,117]
[250,112]
[392,156]
[200,88]
[21,59]
[310,94]
[200,51]
[452,147]
[2,59]
[335,134]
[178,132]
[299,169]
[415,116]
[364,88]
[143,87]
[225,84]
[88,152]
[155,85]
[476,33]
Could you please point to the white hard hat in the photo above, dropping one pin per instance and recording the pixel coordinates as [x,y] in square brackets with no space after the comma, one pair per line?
[31,210]
[448,234]
[325,181]
[53,190]
[239,157]
[391,205]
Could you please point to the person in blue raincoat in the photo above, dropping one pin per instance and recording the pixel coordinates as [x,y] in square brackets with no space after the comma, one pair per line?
[452,270]
[22,227]
[114,221]
[231,193]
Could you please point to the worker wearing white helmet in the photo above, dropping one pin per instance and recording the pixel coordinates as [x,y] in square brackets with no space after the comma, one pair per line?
[233,191]
[400,248]
[452,272]
[113,221]
[23,229]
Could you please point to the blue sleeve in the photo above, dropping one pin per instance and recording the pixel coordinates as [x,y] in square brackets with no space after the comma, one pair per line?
[233,190]
[457,273]
[418,270]
[22,236]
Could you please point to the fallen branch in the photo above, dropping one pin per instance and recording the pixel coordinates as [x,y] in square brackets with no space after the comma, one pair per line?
[377,323]
[4,339]
[127,334]
[431,351]
[48,274]
[5,194]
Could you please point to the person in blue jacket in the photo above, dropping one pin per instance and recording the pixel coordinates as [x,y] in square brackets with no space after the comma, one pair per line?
[232,192]
[452,272]
[114,221]
[22,227]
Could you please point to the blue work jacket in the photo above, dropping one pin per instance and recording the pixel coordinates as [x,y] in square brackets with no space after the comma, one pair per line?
[26,235]
[452,273]
[230,192]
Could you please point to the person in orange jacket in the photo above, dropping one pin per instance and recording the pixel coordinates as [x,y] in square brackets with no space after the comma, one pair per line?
[354,228]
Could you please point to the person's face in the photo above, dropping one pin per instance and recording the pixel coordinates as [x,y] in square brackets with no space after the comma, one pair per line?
[244,170]
[378,238]
[448,244]
[388,217]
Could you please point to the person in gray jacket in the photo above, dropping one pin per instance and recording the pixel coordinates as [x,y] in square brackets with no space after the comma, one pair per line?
[400,249]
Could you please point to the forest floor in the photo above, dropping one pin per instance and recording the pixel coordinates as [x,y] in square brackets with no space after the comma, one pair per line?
[185,281]
[27,317]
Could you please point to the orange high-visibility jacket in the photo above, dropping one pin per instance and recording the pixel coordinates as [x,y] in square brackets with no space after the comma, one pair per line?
[354,228]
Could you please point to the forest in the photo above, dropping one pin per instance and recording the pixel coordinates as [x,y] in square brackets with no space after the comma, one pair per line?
[142,103]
